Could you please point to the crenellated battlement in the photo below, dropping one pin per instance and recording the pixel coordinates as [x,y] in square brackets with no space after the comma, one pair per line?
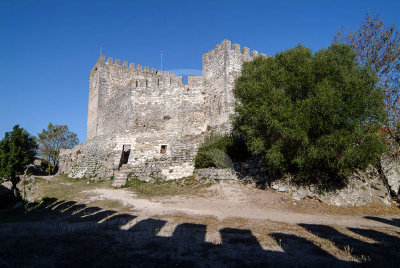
[131,66]
[141,76]
[225,60]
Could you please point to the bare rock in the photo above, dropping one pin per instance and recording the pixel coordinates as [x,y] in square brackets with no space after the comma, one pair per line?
[391,170]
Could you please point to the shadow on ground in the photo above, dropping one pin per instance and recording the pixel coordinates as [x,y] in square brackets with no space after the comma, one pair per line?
[64,233]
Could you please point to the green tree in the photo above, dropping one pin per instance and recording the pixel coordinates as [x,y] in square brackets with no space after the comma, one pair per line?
[379,47]
[17,149]
[314,115]
[52,140]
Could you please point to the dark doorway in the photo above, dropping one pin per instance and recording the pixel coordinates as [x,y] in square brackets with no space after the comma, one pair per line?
[163,149]
[126,150]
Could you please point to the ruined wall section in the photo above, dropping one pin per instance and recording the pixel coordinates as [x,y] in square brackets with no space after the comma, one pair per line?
[91,159]
[221,67]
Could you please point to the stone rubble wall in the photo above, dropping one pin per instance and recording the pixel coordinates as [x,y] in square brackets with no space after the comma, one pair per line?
[99,158]
[146,159]
[91,159]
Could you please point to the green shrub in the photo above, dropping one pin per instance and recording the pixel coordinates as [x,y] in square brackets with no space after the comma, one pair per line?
[219,150]
[313,115]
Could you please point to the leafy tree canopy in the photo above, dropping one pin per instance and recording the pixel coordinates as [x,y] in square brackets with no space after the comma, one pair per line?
[55,138]
[314,115]
[17,149]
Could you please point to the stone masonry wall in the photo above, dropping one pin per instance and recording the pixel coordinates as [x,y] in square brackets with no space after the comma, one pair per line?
[221,67]
[147,109]
[111,87]
[91,159]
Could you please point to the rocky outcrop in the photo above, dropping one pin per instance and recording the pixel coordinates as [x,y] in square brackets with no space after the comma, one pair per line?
[391,170]
[390,167]
[209,175]
[362,188]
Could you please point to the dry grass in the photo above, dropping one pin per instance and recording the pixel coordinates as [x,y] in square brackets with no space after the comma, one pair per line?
[183,186]
[64,188]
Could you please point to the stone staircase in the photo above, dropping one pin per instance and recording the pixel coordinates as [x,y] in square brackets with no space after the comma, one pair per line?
[120,176]
[87,168]
[92,164]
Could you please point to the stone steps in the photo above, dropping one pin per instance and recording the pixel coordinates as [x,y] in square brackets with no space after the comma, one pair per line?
[121,176]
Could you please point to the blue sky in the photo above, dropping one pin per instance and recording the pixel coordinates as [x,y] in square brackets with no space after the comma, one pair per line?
[47,48]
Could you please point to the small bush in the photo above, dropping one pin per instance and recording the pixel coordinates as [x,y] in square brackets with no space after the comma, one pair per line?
[219,150]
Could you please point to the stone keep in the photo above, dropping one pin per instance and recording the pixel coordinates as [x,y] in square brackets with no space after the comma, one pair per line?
[147,122]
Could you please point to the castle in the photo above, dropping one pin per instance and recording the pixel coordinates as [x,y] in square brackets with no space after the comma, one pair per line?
[146,122]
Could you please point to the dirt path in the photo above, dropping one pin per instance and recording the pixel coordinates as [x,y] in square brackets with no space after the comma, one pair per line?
[234,201]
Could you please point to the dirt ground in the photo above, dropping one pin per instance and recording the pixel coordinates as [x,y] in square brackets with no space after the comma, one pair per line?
[81,223]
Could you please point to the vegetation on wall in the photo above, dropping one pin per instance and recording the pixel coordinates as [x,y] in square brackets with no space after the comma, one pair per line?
[219,150]
[313,115]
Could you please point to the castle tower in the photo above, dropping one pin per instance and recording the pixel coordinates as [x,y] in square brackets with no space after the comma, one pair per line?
[94,95]
[221,67]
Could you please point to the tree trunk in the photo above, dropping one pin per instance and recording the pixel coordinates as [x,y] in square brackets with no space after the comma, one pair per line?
[14,189]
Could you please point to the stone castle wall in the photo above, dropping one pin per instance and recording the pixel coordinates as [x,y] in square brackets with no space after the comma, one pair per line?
[111,90]
[221,67]
[147,110]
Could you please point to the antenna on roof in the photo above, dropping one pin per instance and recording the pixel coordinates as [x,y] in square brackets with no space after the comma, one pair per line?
[161,59]
[101,50]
